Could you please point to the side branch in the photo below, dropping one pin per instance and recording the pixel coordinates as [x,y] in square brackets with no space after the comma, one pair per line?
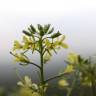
[27,62]
[55,77]
[35,65]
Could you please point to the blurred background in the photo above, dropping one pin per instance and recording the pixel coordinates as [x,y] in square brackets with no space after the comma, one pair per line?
[74,18]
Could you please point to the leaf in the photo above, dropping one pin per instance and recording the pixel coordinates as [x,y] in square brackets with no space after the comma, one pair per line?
[29,30]
[40,28]
[33,29]
[54,50]
[49,52]
[46,28]
[33,48]
[51,31]
[26,33]
[55,35]
[23,64]
[79,58]
[86,61]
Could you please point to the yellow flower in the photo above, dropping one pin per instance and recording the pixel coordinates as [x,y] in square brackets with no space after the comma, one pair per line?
[27,82]
[28,88]
[28,92]
[25,92]
[69,69]
[17,46]
[21,58]
[73,58]
[62,38]
[36,94]
[47,57]
[63,83]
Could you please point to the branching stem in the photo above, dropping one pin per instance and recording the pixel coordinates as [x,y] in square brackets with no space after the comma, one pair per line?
[27,62]
[55,77]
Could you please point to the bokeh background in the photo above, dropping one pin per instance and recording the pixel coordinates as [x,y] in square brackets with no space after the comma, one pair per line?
[74,18]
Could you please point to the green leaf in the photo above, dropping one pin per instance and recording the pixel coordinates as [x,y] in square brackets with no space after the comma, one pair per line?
[51,31]
[79,59]
[52,47]
[55,35]
[49,52]
[86,61]
[29,30]
[33,48]
[40,28]
[26,33]
[33,29]
[46,28]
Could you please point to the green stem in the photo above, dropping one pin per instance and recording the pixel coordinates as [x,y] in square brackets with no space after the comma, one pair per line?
[42,67]
[71,89]
[93,88]
[55,77]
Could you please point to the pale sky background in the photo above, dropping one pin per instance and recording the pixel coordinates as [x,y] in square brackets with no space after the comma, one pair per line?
[74,18]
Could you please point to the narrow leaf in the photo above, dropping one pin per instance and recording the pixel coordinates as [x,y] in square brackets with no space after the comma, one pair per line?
[33,29]
[54,50]
[49,52]
[56,35]
[46,28]
[26,33]
[51,31]
[40,28]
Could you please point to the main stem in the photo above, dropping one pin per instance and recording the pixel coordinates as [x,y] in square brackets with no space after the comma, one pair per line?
[72,86]
[93,87]
[42,66]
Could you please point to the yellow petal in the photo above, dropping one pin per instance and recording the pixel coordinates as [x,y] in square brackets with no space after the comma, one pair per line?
[28,81]
[62,38]
[69,69]
[63,83]
[20,84]
[73,58]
